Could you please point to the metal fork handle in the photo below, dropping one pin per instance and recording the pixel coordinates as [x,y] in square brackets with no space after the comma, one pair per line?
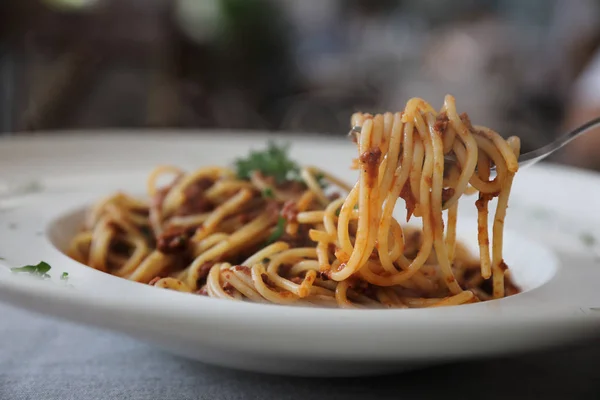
[536,155]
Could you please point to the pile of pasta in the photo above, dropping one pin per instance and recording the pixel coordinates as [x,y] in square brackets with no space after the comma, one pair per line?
[270,231]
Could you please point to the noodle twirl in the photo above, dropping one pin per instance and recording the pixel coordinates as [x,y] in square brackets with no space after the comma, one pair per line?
[269,231]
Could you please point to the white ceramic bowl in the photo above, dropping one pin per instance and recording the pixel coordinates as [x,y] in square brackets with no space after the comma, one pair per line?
[47,182]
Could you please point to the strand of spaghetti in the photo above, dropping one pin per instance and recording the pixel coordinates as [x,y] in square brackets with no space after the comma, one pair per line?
[251,233]
[457,299]
[344,222]
[310,217]
[200,247]
[290,257]
[510,157]
[421,302]
[416,168]
[487,146]
[341,296]
[266,252]
[189,221]
[426,247]
[394,297]
[284,297]
[175,195]
[244,275]
[361,300]
[483,239]
[227,187]
[314,186]
[140,251]
[329,217]
[418,279]
[431,187]
[435,147]
[118,217]
[367,204]
[307,283]
[172,284]
[304,266]
[115,260]
[213,283]
[157,196]
[498,265]
[463,132]
[222,211]
[82,239]
[132,203]
[396,236]
[391,159]
[315,171]
[401,176]
[97,210]
[449,134]
[305,201]
[151,186]
[153,265]
[241,286]
[101,238]
[284,257]
[452,217]
[323,256]
[322,301]
[386,298]
[384,143]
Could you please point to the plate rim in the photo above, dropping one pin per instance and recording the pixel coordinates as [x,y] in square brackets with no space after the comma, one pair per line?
[21,287]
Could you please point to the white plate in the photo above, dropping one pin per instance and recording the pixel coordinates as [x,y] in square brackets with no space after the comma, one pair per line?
[45,180]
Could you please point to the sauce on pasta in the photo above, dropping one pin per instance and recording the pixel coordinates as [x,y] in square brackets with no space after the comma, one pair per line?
[270,231]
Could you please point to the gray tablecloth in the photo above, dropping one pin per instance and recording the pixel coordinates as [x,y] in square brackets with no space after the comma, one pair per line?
[44,359]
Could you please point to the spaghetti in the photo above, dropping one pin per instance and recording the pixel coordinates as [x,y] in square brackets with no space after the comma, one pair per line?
[272,232]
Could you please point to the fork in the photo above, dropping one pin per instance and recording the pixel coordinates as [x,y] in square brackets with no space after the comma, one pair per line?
[532,157]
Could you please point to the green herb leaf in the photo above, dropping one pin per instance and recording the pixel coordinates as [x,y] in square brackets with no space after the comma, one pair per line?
[587,239]
[40,269]
[267,193]
[321,180]
[64,276]
[278,232]
[273,161]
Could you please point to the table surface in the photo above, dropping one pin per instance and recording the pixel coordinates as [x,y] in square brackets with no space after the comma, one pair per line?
[42,358]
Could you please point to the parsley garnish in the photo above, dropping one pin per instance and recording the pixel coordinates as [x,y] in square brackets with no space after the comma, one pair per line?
[64,276]
[267,193]
[587,239]
[278,232]
[320,177]
[40,269]
[273,161]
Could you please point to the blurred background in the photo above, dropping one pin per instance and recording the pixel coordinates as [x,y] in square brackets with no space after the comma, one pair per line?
[528,68]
